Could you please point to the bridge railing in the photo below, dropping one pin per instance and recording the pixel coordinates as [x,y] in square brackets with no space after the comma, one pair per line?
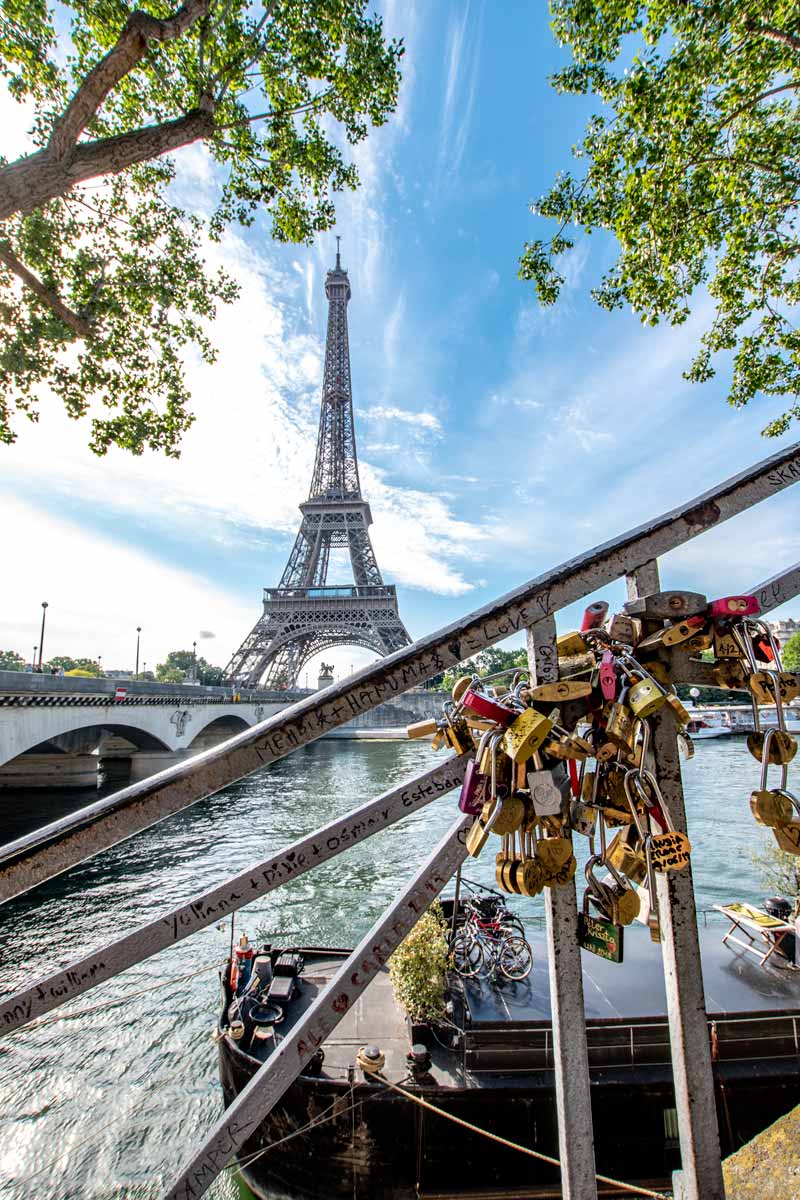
[531,607]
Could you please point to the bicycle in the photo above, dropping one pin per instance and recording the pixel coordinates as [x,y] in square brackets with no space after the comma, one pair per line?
[493,936]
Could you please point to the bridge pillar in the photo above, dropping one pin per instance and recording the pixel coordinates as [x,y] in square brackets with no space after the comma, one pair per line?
[149,762]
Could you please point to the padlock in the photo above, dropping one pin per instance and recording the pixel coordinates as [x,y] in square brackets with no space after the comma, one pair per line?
[645,697]
[594,615]
[608,676]
[564,689]
[624,629]
[726,645]
[771,807]
[557,860]
[626,854]
[481,704]
[763,683]
[510,818]
[456,732]
[734,606]
[546,796]
[669,606]
[788,836]
[782,746]
[421,729]
[699,642]
[626,899]
[479,831]
[526,734]
[460,687]
[729,673]
[582,818]
[681,714]
[672,635]
[670,850]
[529,877]
[570,644]
[619,725]
[599,896]
[438,740]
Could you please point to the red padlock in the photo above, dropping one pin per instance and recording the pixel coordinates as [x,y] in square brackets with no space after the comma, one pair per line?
[595,615]
[489,709]
[473,790]
[734,606]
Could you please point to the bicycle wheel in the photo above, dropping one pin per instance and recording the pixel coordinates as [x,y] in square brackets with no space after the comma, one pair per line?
[515,958]
[467,954]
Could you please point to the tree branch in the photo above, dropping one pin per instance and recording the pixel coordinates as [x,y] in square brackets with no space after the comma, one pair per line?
[784,87]
[53,301]
[140,30]
[32,181]
[777,35]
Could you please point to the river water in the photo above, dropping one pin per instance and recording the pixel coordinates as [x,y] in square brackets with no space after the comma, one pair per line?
[108,1104]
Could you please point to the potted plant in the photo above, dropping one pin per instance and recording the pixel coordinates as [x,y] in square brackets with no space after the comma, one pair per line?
[418,972]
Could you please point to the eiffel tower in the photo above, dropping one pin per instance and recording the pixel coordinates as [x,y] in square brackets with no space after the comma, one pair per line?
[303,615]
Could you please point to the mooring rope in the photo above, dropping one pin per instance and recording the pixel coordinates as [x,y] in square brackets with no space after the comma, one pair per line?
[494,1137]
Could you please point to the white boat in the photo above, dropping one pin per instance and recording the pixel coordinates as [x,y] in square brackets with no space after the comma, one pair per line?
[791,716]
[708,725]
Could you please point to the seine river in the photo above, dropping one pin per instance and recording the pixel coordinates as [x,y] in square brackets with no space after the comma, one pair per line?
[107,1104]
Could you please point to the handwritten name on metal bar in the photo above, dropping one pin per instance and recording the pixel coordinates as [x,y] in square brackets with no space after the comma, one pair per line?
[56,847]
[318,847]
[271,1080]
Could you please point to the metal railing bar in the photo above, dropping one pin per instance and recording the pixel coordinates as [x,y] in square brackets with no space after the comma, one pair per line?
[271,1080]
[353,828]
[47,852]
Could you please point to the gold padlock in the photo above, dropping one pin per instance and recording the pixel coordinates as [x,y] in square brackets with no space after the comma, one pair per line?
[620,726]
[729,673]
[669,851]
[782,746]
[563,689]
[422,728]
[509,819]
[645,698]
[525,734]
[788,837]
[771,808]
[570,644]
[726,645]
[458,737]
[461,686]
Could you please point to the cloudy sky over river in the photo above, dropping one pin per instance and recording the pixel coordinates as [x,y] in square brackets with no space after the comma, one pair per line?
[495,439]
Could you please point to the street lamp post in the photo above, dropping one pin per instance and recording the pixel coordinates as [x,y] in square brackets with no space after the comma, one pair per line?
[138,632]
[194,661]
[41,635]
[100,663]
[33,660]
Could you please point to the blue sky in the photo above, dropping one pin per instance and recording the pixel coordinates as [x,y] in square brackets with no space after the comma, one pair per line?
[495,439]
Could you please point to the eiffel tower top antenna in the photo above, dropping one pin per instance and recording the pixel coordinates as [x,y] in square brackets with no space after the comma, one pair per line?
[304,614]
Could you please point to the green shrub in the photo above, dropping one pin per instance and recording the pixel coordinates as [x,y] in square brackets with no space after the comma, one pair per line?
[418,965]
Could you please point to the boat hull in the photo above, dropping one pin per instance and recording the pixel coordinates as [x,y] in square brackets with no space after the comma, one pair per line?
[374,1143]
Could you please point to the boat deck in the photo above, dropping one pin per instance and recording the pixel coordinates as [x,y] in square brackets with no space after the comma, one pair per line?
[503,1027]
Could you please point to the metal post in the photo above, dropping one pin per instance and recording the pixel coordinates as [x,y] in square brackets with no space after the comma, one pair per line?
[41,636]
[691,1055]
[138,634]
[269,1083]
[570,1052]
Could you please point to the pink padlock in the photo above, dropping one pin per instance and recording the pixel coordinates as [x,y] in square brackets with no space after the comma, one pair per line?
[608,676]
[489,709]
[734,606]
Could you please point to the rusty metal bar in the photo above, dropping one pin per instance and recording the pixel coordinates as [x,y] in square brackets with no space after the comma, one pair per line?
[269,1083]
[257,880]
[570,1049]
[47,852]
[683,978]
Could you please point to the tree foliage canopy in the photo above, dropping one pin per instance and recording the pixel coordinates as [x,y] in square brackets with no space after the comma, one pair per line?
[180,663]
[693,163]
[790,654]
[103,285]
[11,661]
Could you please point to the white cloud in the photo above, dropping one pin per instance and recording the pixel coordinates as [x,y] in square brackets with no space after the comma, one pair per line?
[98,590]
[419,420]
[462,59]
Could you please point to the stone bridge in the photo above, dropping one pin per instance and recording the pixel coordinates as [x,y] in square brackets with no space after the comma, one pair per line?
[73,732]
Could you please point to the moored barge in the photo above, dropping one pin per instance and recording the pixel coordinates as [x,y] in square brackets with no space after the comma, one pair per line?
[491,1064]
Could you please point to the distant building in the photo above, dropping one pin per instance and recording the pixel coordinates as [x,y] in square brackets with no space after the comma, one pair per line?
[783,630]
[117,674]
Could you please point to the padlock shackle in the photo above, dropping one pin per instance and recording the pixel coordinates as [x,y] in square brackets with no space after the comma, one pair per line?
[765,764]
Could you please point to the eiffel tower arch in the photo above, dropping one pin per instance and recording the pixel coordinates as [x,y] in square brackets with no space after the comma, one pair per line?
[304,615]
